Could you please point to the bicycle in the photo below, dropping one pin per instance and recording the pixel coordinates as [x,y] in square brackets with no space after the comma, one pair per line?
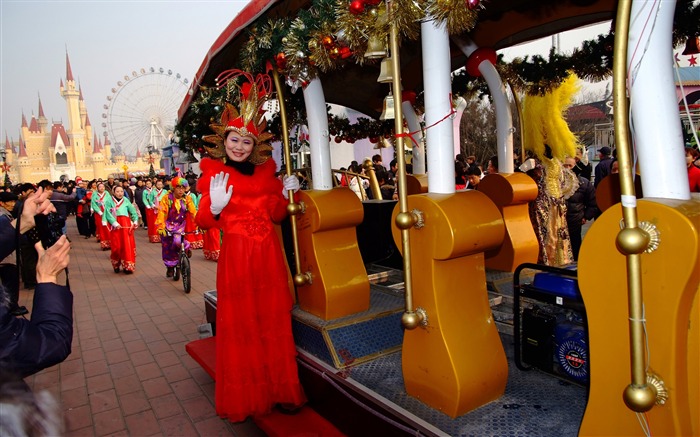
[183,262]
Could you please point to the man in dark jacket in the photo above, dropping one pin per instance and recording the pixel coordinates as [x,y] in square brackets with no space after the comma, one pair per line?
[28,346]
[580,207]
[604,165]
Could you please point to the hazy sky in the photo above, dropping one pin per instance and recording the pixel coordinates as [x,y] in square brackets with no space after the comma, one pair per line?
[105,40]
[109,39]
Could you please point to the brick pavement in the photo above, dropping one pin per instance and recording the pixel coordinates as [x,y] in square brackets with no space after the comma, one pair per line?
[128,373]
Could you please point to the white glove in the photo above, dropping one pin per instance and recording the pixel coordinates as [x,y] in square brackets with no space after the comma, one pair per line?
[218,193]
[290,183]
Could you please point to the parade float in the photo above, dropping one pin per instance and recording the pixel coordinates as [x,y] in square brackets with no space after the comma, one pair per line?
[417,350]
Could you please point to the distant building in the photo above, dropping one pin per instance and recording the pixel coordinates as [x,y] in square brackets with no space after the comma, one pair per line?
[56,152]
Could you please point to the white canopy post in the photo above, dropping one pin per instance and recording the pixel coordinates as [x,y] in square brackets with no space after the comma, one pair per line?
[483,60]
[438,104]
[317,117]
[417,143]
[657,133]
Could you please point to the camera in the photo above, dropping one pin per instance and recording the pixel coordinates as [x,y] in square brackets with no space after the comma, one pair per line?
[49,227]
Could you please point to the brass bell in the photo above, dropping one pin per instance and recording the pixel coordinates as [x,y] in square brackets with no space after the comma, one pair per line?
[376,48]
[388,111]
[692,46]
[386,71]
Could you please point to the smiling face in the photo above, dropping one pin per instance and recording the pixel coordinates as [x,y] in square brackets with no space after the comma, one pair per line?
[238,147]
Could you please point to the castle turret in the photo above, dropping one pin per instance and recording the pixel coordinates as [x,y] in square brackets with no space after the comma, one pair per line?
[34,125]
[25,169]
[107,148]
[42,118]
[81,106]
[98,159]
[9,153]
[71,95]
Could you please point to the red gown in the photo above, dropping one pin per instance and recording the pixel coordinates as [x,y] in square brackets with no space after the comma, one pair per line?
[123,245]
[212,244]
[255,353]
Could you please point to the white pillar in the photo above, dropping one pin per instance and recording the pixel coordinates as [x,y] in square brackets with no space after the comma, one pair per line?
[438,89]
[317,117]
[504,116]
[409,114]
[459,105]
[655,114]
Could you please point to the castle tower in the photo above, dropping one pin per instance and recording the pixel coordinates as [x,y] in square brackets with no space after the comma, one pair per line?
[81,106]
[34,125]
[42,118]
[108,148]
[9,158]
[25,169]
[25,128]
[71,95]
[98,159]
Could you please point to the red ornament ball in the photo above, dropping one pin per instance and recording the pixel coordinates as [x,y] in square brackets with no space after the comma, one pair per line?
[357,7]
[281,60]
[338,140]
[373,2]
[472,4]
[327,42]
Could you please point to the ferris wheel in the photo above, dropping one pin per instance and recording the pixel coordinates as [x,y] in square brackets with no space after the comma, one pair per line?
[142,110]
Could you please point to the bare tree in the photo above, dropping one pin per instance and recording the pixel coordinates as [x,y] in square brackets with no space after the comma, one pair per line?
[477,130]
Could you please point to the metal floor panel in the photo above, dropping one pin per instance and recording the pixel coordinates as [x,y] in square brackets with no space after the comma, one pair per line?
[534,403]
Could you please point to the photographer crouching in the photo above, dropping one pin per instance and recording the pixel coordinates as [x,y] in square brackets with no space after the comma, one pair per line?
[28,346]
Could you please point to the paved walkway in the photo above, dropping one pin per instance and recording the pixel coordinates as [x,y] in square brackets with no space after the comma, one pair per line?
[128,373]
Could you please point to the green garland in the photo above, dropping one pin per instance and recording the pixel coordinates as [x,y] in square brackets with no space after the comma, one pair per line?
[326,37]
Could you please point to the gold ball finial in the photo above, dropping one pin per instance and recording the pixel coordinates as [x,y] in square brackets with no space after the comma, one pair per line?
[300,279]
[632,241]
[410,320]
[404,220]
[639,398]
[293,208]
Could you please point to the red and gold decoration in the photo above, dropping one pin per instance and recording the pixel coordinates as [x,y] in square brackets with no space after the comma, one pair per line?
[332,33]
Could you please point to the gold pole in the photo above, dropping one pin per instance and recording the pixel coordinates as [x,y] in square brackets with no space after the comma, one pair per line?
[292,208]
[632,241]
[373,182]
[405,219]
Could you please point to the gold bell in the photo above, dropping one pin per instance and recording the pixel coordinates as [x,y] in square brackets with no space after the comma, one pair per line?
[388,111]
[376,48]
[386,71]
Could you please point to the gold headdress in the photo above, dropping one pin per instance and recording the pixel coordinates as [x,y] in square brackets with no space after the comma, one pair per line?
[249,121]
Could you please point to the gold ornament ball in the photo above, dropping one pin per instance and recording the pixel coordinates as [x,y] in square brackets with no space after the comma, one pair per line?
[639,399]
[284,40]
[410,320]
[293,208]
[313,45]
[632,241]
[404,220]
[373,12]
[299,279]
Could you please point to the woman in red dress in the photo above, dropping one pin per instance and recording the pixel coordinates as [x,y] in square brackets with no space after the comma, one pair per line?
[255,352]
[99,198]
[122,219]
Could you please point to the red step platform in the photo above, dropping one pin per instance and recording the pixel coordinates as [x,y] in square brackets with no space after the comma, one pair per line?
[305,423]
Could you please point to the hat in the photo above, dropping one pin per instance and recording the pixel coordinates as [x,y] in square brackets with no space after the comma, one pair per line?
[247,119]
[7,197]
[179,182]
[605,150]
[78,179]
